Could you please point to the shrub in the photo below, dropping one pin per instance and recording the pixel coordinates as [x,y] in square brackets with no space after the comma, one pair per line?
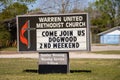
[4,36]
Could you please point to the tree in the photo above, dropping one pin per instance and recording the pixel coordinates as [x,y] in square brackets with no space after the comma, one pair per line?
[6,3]
[104,14]
[8,13]
[61,6]
[110,12]
[4,36]
[12,10]
[8,10]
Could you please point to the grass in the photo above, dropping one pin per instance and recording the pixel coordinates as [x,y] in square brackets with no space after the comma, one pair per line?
[86,69]
[107,52]
[105,44]
[9,49]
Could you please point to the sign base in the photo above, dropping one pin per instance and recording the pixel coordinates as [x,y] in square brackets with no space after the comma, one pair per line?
[52,69]
[53,62]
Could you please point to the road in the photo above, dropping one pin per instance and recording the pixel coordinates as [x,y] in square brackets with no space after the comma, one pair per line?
[12,54]
[72,55]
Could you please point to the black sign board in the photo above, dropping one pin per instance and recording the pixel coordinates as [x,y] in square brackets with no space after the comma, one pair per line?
[53,33]
[53,62]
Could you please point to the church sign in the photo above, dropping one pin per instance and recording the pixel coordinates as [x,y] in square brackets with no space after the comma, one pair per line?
[53,36]
[59,32]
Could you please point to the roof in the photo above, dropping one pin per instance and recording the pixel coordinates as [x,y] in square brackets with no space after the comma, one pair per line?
[110,30]
[30,13]
[9,20]
[34,12]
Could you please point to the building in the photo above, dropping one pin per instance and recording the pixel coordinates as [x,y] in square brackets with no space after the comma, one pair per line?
[111,36]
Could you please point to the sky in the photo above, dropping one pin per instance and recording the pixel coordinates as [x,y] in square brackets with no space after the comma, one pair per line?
[38,2]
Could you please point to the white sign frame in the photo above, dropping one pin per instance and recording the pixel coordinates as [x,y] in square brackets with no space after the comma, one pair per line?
[84,46]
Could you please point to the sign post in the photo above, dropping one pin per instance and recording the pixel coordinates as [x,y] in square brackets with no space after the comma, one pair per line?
[53,35]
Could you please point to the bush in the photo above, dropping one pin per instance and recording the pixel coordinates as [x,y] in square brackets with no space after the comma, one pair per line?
[4,36]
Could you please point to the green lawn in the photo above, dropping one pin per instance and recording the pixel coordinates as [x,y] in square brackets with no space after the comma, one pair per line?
[85,69]
[9,49]
[107,52]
